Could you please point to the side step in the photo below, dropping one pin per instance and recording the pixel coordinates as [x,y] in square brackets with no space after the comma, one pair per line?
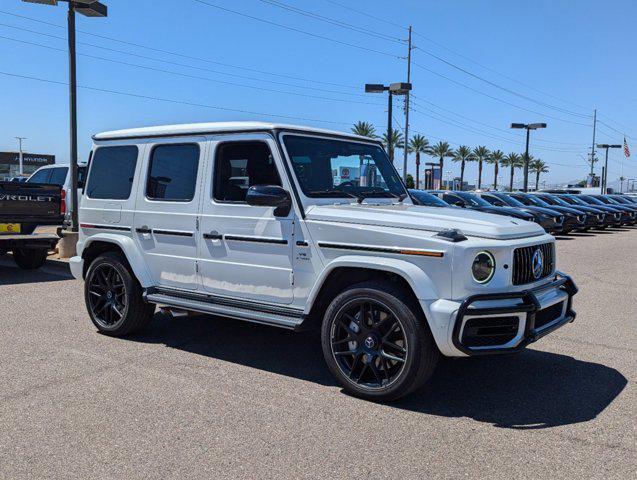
[279,317]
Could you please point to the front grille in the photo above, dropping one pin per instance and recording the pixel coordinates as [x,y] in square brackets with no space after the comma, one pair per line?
[523,267]
[489,331]
[549,314]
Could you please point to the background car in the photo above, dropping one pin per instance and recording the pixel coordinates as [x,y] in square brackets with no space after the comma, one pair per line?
[420,197]
[630,209]
[592,219]
[474,202]
[573,219]
[550,220]
[622,217]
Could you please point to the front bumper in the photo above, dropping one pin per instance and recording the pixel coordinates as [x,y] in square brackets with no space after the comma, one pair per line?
[555,297]
[500,322]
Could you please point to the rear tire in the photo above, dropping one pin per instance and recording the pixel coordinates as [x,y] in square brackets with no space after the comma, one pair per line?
[113,297]
[377,343]
[30,258]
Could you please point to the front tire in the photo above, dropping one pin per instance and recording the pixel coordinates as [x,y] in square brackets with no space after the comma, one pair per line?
[113,297]
[377,343]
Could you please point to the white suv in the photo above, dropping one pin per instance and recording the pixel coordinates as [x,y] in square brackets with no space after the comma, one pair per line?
[295,227]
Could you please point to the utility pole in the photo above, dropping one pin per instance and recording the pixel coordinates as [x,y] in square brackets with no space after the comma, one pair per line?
[406,146]
[593,145]
[21,157]
[73,115]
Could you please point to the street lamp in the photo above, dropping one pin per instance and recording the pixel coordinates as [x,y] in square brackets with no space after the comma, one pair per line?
[392,89]
[88,8]
[528,127]
[605,176]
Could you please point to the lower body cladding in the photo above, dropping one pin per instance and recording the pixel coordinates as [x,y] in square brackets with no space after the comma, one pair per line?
[501,322]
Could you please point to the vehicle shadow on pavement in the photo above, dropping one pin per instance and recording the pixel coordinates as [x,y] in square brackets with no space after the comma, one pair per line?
[530,390]
[11,274]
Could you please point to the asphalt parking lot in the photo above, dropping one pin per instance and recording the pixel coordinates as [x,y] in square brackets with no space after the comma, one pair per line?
[206,397]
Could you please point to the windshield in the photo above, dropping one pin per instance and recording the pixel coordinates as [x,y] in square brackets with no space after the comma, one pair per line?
[473,200]
[592,200]
[339,168]
[555,200]
[532,200]
[509,200]
[427,199]
[572,199]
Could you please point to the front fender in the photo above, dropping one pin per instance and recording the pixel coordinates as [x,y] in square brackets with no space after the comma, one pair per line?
[421,284]
[130,249]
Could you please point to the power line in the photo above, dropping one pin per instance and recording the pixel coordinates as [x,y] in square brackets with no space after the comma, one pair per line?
[615,130]
[234,75]
[508,90]
[294,29]
[418,99]
[369,15]
[332,21]
[196,77]
[169,100]
[178,54]
[444,47]
[496,98]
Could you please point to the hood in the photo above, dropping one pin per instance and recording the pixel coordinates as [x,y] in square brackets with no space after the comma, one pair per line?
[544,210]
[562,209]
[430,219]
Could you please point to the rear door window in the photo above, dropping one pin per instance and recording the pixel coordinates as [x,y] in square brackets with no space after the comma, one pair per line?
[58,176]
[112,172]
[172,172]
[41,176]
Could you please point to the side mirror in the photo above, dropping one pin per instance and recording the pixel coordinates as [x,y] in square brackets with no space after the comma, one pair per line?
[270,196]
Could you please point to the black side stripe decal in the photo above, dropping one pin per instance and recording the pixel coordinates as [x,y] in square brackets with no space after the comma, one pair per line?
[236,238]
[173,232]
[106,227]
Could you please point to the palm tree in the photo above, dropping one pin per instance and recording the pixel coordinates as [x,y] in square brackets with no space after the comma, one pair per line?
[538,166]
[418,144]
[441,150]
[514,161]
[481,153]
[364,129]
[397,141]
[463,155]
[495,158]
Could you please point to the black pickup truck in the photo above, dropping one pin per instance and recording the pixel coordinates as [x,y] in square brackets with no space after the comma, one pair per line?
[23,207]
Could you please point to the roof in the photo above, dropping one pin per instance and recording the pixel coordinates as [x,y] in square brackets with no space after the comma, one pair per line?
[211,127]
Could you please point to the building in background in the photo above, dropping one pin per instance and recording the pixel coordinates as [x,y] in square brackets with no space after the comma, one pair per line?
[10,163]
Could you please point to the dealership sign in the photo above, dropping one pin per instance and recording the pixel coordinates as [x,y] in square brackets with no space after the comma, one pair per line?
[37,159]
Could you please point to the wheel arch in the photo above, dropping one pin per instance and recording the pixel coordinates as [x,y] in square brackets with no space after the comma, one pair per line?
[101,243]
[350,269]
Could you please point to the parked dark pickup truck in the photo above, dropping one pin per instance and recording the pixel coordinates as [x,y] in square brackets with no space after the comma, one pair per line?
[24,206]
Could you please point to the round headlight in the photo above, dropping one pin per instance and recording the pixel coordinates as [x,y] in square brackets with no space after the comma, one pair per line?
[483,267]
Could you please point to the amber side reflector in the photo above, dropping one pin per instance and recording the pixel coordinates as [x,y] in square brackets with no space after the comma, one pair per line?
[422,253]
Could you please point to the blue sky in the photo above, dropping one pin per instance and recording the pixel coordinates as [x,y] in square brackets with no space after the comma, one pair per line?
[557,58]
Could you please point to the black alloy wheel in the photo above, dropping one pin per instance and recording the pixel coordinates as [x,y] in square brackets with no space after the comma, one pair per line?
[377,342]
[369,343]
[107,295]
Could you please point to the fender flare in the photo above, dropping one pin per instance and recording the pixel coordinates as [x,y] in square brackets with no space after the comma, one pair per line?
[420,283]
[131,252]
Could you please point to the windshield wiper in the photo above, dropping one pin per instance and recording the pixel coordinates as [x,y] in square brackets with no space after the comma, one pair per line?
[364,194]
[339,193]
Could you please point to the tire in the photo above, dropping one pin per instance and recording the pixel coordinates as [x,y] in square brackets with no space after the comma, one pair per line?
[113,297]
[30,258]
[365,362]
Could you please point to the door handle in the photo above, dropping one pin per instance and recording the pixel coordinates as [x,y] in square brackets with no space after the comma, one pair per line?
[143,229]
[212,236]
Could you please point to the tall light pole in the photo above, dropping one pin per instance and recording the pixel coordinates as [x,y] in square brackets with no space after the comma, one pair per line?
[528,127]
[20,155]
[392,89]
[605,175]
[88,8]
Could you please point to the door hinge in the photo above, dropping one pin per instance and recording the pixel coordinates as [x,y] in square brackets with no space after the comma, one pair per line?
[196,267]
[197,223]
[291,278]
